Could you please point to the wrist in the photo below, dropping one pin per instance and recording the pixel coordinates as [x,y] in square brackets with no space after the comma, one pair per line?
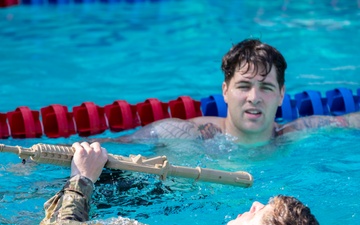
[81,185]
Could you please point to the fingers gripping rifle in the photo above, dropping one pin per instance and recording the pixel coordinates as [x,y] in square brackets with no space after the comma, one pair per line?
[62,156]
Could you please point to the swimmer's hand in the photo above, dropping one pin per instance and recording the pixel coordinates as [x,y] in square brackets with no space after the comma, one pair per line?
[88,160]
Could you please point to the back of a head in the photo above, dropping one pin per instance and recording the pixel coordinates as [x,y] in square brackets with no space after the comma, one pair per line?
[289,210]
[254,52]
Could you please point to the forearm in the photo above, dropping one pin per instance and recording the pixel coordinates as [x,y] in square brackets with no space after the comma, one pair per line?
[71,203]
[313,122]
[353,120]
[163,129]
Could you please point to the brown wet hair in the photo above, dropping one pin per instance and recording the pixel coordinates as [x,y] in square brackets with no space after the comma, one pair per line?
[289,211]
[257,55]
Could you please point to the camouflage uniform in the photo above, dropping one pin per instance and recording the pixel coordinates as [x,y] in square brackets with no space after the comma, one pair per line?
[71,204]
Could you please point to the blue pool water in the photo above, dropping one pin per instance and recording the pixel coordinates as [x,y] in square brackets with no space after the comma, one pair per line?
[74,53]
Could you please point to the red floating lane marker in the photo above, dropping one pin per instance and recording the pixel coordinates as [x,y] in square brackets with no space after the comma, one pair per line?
[24,123]
[61,120]
[152,110]
[121,116]
[89,119]
[157,109]
[4,127]
[94,117]
[185,108]
[6,3]
[57,121]
[29,122]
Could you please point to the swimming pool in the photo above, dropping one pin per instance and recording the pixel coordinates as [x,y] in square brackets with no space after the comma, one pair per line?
[69,54]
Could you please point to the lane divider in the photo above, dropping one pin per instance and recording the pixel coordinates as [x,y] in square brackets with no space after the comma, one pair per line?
[121,116]
[88,119]
[152,110]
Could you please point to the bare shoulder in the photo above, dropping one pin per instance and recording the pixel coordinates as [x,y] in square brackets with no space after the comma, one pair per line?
[209,126]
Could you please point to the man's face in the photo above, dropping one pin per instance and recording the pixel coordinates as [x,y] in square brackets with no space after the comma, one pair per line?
[252,102]
[254,216]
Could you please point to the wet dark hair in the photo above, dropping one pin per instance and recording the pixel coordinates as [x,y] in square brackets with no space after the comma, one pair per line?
[257,54]
[289,210]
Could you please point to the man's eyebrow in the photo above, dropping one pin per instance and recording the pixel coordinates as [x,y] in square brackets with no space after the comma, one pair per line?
[242,82]
[263,83]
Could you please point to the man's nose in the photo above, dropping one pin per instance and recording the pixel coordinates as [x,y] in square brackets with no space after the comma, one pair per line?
[254,96]
[256,206]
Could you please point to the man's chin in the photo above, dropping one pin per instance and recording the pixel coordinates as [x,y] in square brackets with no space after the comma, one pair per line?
[254,128]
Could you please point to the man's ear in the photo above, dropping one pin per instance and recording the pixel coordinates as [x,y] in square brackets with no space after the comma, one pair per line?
[282,94]
[225,89]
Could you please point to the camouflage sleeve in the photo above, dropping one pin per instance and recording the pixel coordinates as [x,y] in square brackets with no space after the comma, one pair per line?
[71,204]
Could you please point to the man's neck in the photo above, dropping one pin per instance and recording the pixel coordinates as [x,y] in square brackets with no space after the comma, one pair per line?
[250,138]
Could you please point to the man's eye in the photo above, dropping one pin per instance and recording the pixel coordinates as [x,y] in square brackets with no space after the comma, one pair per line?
[243,87]
[267,88]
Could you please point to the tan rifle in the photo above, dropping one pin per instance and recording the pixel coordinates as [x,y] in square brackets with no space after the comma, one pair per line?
[62,156]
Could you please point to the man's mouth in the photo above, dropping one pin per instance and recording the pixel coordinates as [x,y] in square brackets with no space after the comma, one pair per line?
[253,112]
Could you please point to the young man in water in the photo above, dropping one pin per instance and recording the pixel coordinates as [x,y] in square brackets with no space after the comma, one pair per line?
[280,210]
[253,89]
[71,204]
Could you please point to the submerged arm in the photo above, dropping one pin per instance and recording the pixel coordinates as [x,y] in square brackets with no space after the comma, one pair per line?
[351,120]
[168,129]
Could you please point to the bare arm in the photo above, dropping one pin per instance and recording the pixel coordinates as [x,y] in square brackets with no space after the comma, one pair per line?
[169,129]
[351,120]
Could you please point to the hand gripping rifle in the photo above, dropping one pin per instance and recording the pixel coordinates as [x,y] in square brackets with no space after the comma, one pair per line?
[62,156]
